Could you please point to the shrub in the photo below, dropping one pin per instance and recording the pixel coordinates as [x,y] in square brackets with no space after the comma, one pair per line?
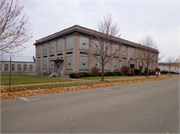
[72,75]
[92,75]
[81,74]
[111,73]
[77,75]
[106,74]
[95,70]
[137,71]
[118,73]
[124,69]
[157,69]
[86,74]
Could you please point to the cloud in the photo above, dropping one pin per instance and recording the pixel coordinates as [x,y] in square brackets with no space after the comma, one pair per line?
[136,20]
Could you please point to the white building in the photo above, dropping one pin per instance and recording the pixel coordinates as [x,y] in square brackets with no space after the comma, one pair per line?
[19,65]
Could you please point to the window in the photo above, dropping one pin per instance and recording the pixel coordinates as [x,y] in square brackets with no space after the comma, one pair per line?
[6,67]
[83,64]
[83,53]
[12,67]
[30,68]
[25,67]
[60,54]
[69,52]
[69,63]
[84,43]
[19,67]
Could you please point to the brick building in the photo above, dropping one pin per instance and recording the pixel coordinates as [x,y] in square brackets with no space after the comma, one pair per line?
[62,52]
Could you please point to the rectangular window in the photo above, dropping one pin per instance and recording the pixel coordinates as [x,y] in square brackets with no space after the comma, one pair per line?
[38,48]
[60,45]
[51,64]
[44,64]
[45,46]
[69,52]
[39,64]
[84,43]
[83,63]
[6,67]
[12,67]
[19,67]
[69,62]
[30,68]
[25,68]
[69,43]
[52,45]
[123,52]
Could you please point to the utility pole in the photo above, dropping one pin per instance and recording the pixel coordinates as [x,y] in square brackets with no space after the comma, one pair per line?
[10,75]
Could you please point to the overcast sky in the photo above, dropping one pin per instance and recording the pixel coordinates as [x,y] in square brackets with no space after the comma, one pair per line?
[137,19]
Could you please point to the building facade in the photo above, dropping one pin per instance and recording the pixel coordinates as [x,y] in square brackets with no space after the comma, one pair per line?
[19,65]
[165,67]
[63,53]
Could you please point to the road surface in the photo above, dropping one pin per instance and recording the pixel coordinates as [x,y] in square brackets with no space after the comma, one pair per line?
[148,107]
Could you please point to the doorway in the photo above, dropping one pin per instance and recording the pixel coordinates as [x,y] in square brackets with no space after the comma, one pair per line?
[132,66]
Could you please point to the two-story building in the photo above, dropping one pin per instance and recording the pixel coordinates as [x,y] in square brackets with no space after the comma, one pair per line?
[63,52]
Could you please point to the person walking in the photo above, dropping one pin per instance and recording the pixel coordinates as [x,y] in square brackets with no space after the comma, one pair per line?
[132,72]
[157,74]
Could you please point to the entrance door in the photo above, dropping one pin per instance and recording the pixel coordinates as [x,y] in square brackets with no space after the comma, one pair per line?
[59,66]
[132,66]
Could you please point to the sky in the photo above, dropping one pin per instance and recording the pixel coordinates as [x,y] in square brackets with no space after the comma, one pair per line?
[137,19]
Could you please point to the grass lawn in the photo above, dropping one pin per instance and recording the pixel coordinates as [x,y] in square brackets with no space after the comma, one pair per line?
[76,84]
[108,77]
[28,79]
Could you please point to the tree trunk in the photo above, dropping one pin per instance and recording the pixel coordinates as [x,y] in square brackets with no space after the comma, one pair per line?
[147,73]
[102,74]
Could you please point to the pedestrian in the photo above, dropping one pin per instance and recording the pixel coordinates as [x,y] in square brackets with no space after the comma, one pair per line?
[132,72]
[129,72]
[157,74]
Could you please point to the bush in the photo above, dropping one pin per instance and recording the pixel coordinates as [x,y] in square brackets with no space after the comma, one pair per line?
[137,71]
[157,69]
[72,75]
[95,70]
[86,74]
[81,74]
[92,75]
[124,69]
[111,73]
[106,74]
[77,75]
[118,73]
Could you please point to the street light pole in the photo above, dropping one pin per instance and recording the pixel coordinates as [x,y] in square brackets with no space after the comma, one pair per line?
[10,75]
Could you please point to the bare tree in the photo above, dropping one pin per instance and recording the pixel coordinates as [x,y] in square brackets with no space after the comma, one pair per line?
[169,63]
[14,27]
[104,49]
[147,51]
[177,63]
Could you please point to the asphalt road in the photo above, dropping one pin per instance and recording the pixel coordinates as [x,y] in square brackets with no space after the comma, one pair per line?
[149,107]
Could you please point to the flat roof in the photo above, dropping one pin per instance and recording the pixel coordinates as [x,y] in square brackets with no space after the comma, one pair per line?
[17,58]
[80,29]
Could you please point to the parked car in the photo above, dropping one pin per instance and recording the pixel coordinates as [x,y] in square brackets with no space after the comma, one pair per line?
[174,72]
